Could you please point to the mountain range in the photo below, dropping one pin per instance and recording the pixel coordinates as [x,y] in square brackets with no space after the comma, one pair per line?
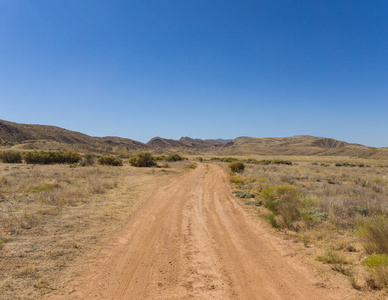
[28,137]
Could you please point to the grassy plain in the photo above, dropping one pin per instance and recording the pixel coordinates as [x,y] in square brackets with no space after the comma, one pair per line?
[328,205]
[54,217]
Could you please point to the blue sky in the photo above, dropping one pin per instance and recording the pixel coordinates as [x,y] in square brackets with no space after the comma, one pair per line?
[197,68]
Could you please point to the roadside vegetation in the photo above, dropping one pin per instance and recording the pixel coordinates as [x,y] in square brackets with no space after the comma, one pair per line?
[58,207]
[338,210]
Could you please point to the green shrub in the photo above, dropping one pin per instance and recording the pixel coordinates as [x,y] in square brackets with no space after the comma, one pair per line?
[271,217]
[377,264]
[51,157]
[142,159]
[284,201]
[174,157]
[11,157]
[268,193]
[237,180]
[200,159]
[236,166]
[374,235]
[193,165]
[376,260]
[110,160]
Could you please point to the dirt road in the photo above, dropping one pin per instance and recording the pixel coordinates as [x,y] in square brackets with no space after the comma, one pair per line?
[192,239]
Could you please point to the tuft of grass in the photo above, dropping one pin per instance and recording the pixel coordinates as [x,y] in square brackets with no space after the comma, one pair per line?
[337,260]
[3,241]
[271,217]
[374,235]
[45,187]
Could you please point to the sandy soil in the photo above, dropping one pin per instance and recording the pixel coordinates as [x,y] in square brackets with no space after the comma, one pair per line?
[193,239]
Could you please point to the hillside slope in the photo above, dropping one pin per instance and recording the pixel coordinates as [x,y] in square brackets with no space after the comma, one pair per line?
[26,136]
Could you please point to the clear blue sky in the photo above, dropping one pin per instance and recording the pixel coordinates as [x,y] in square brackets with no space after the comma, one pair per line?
[205,69]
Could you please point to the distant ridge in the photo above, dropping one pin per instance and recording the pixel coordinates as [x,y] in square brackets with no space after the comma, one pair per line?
[28,137]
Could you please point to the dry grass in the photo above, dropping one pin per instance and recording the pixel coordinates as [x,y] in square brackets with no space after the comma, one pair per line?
[52,218]
[341,203]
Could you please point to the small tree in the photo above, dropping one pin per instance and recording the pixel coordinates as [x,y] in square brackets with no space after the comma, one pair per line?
[142,159]
[236,166]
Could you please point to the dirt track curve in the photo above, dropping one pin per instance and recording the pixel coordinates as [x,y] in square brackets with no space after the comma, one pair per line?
[192,239]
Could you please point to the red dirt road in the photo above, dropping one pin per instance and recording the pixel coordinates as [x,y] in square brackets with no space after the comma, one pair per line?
[192,239]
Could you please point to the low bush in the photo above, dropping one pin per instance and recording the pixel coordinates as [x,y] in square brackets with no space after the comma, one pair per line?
[224,159]
[271,217]
[51,157]
[374,235]
[174,157]
[284,201]
[236,166]
[110,160]
[11,157]
[268,161]
[193,165]
[337,260]
[255,203]
[377,264]
[242,194]
[142,159]
[88,160]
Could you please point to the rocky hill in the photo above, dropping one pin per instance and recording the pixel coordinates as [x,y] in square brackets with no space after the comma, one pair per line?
[27,137]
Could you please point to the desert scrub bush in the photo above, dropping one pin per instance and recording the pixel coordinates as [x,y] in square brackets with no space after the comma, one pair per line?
[193,165]
[174,157]
[110,160]
[242,194]
[271,218]
[11,157]
[373,235]
[88,160]
[310,214]
[337,260]
[284,201]
[268,161]
[236,166]
[254,203]
[51,157]
[224,159]
[377,264]
[142,159]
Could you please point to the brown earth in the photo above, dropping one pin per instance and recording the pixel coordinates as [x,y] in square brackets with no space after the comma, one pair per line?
[193,239]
